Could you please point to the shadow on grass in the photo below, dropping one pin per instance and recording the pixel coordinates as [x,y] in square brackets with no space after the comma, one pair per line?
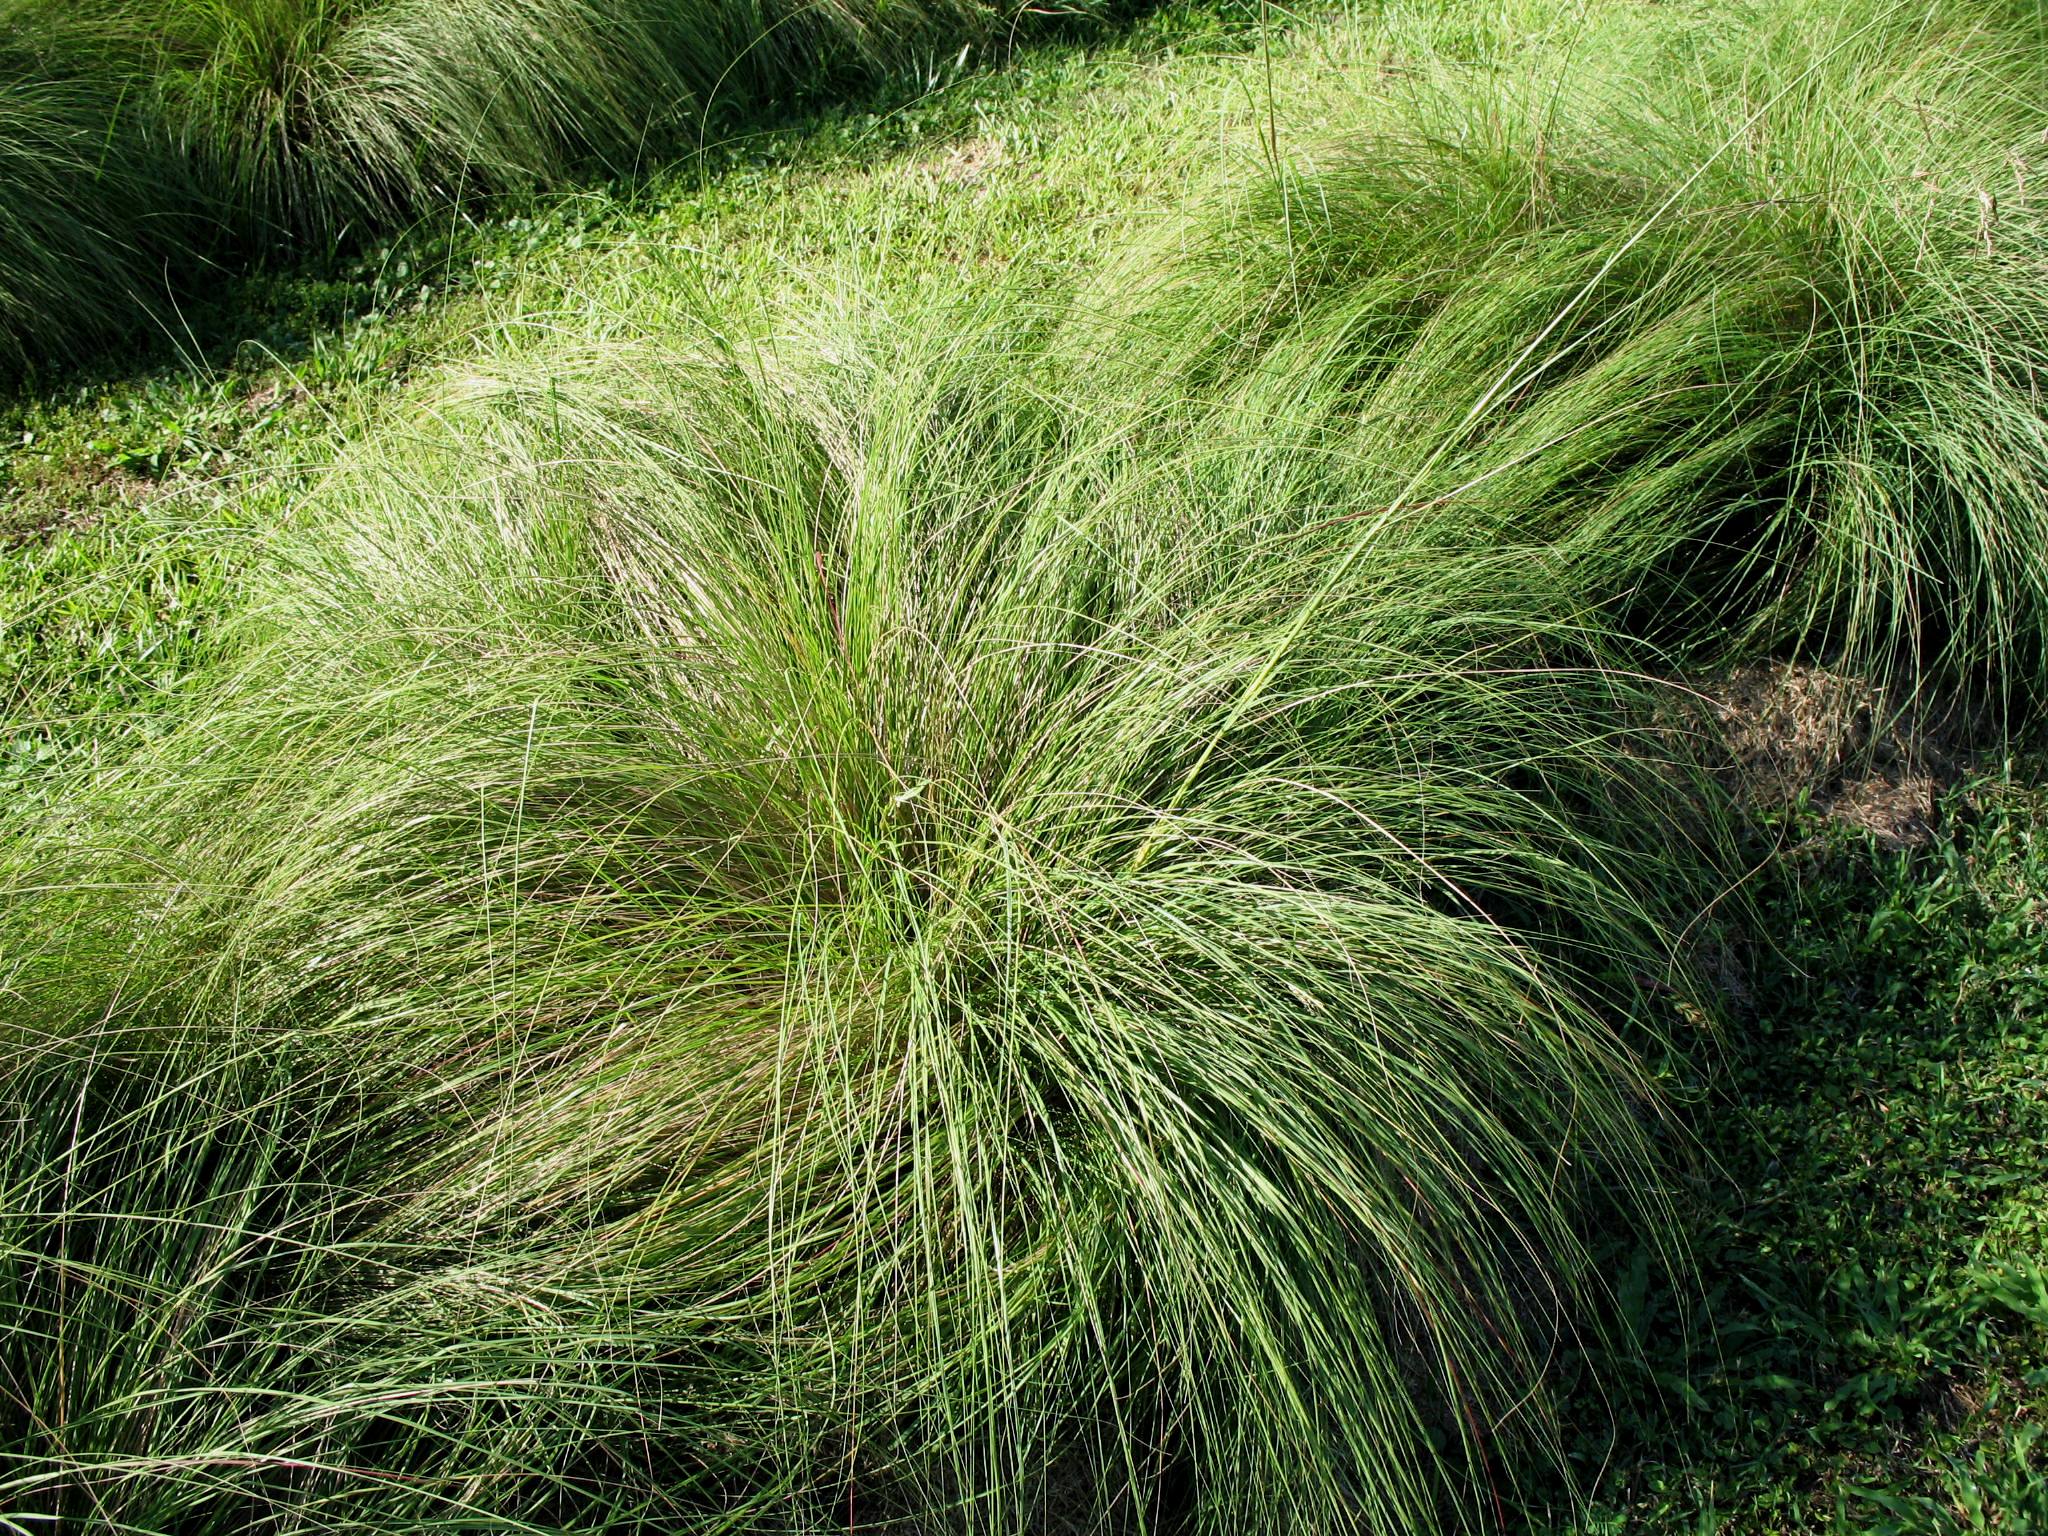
[281,304]
[1867,1348]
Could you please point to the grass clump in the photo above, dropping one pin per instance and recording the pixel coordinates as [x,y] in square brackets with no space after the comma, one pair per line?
[140,139]
[863,959]
[1738,312]
[88,215]
[311,117]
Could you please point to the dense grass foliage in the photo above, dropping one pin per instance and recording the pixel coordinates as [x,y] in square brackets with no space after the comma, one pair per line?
[1739,311]
[832,945]
[313,115]
[871,913]
[306,117]
[140,138]
[87,214]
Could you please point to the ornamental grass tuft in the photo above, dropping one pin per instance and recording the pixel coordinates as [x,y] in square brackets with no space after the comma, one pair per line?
[1739,313]
[142,139]
[90,214]
[778,936]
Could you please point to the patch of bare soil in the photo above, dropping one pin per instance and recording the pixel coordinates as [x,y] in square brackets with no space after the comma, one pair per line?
[262,398]
[969,162]
[1862,757]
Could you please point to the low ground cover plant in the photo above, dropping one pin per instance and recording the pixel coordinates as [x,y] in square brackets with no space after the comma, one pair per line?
[1867,1337]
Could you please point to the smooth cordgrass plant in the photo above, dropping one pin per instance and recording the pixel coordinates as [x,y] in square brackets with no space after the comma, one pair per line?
[1737,311]
[778,935]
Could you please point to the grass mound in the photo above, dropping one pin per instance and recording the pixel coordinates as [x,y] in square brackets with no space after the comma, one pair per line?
[803,946]
[313,115]
[307,117]
[88,215]
[138,137]
[1739,313]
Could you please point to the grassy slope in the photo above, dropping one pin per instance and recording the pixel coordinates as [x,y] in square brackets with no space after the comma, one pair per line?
[1873,1241]
[142,471]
